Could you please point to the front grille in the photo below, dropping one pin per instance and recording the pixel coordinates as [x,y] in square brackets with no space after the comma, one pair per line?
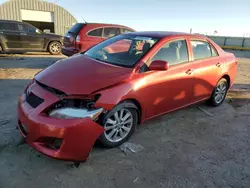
[52,90]
[33,100]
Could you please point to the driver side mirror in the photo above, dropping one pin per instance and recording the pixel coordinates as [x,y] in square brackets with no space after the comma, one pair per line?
[159,65]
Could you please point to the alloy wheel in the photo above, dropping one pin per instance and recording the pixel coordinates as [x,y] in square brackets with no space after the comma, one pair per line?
[55,48]
[220,92]
[118,126]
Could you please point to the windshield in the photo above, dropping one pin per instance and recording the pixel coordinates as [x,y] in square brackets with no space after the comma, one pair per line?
[122,50]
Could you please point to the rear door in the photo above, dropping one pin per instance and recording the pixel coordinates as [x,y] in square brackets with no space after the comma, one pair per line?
[207,67]
[31,37]
[94,37]
[9,36]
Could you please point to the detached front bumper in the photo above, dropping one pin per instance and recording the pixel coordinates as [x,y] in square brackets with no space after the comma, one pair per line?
[76,136]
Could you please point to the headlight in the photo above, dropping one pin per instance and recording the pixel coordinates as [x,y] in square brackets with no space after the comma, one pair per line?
[71,113]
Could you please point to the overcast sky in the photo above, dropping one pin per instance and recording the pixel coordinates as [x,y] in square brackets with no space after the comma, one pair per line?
[228,17]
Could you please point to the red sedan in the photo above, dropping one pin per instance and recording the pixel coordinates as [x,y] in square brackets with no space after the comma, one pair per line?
[103,95]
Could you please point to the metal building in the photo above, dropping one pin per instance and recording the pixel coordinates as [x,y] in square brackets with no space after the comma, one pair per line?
[48,17]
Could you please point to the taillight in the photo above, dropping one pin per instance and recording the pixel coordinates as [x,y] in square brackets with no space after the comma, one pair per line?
[78,38]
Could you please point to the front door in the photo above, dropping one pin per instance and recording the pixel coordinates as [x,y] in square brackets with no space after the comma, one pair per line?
[208,68]
[31,39]
[171,89]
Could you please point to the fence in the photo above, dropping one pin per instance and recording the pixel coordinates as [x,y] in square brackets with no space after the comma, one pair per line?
[235,43]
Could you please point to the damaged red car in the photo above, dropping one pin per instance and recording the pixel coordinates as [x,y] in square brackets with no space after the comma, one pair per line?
[104,93]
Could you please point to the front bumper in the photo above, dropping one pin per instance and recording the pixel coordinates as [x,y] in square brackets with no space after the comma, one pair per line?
[78,135]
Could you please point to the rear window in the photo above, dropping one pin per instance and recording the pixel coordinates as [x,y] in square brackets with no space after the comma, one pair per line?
[76,28]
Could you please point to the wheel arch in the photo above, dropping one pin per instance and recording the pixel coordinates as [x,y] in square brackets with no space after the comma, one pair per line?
[137,106]
[227,77]
[2,45]
[49,42]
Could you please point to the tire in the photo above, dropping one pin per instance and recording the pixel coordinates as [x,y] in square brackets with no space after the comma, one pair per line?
[120,133]
[219,93]
[55,48]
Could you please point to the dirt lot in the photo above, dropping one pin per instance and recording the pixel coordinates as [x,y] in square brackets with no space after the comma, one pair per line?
[186,148]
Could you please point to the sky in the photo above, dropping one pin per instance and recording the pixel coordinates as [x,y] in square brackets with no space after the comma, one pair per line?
[227,17]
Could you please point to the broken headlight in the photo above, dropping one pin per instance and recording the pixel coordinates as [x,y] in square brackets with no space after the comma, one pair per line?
[71,113]
[75,108]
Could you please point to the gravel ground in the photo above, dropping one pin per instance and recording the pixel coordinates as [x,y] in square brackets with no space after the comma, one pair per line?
[186,148]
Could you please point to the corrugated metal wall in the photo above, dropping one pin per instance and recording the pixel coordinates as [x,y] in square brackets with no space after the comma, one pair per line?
[11,10]
[232,42]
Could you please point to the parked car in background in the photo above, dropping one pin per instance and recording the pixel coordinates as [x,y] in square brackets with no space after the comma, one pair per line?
[104,95]
[82,36]
[22,37]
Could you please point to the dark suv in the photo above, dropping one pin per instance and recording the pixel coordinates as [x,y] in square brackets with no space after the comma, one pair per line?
[82,36]
[22,37]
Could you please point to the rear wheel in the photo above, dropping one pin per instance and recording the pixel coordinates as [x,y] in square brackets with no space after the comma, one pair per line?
[55,48]
[119,125]
[219,93]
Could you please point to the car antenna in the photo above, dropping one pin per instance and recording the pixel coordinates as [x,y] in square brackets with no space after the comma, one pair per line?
[83,19]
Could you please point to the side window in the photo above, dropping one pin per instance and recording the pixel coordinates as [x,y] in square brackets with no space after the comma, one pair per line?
[213,51]
[202,49]
[124,30]
[95,33]
[29,29]
[111,31]
[7,27]
[20,27]
[173,52]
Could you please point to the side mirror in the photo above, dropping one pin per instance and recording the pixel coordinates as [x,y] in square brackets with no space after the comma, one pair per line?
[159,65]
[38,31]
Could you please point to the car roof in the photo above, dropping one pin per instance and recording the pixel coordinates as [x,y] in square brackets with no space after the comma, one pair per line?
[10,21]
[109,24]
[162,34]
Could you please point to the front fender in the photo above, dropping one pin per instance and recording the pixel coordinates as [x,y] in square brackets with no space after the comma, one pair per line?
[112,96]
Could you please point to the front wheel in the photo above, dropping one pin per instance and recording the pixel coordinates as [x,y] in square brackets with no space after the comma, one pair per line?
[219,93]
[119,125]
[55,48]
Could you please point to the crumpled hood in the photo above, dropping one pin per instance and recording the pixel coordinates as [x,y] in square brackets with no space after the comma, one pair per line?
[81,75]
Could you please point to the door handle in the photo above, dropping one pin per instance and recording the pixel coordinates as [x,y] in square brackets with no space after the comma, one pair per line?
[218,64]
[23,34]
[189,71]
